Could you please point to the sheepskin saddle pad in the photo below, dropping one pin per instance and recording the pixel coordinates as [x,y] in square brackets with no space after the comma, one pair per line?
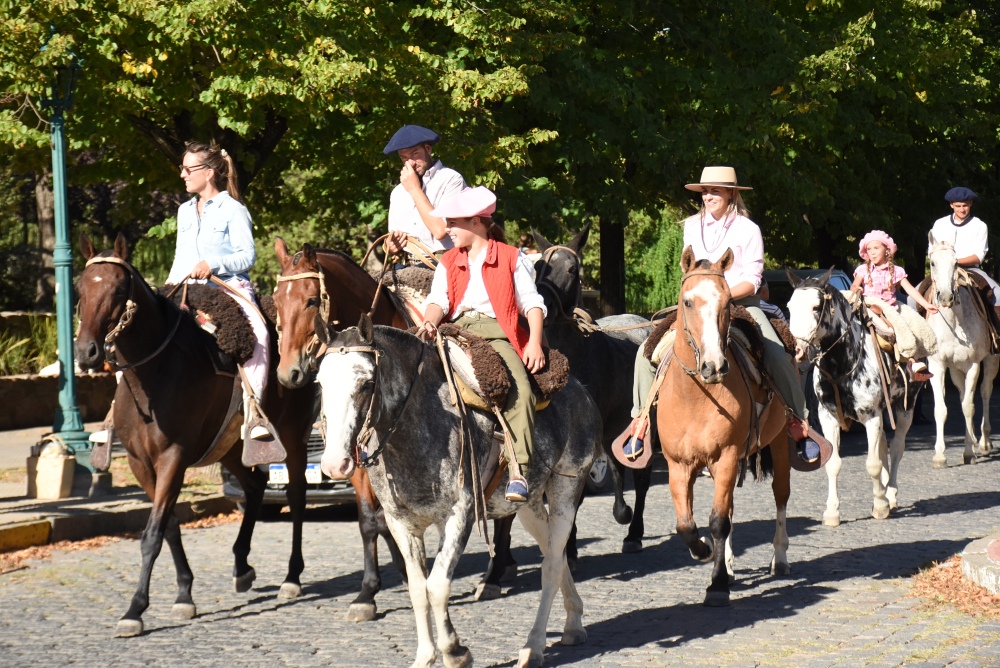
[482,375]
[982,290]
[411,286]
[741,320]
[221,317]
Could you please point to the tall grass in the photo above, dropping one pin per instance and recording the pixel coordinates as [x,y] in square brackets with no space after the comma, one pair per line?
[28,347]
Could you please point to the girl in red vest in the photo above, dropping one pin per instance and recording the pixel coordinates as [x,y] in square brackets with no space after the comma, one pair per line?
[483,284]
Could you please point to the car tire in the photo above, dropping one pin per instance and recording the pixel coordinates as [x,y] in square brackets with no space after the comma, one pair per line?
[599,478]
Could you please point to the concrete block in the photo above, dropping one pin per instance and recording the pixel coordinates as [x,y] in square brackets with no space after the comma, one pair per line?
[981,562]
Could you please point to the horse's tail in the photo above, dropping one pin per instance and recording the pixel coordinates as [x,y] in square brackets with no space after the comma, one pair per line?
[761,464]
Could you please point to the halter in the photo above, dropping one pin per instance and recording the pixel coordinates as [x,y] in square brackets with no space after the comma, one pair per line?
[961,278]
[314,344]
[687,332]
[827,306]
[126,318]
[361,456]
[541,282]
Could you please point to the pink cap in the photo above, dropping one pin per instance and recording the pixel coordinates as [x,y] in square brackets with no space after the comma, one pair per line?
[478,201]
[876,235]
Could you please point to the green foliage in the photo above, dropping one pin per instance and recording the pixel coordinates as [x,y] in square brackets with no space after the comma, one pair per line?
[653,246]
[28,347]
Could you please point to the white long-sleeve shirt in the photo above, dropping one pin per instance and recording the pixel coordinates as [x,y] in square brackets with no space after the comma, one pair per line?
[221,236]
[440,183]
[971,237]
[476,298]
[710,239]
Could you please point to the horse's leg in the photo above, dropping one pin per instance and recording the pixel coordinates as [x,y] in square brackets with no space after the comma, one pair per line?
[730,560]
[163,487]
[896,446]
[363,607]
[489,588]
[453,541]
[831,430]
[550,528]
[967,384]
[721,524]
[414,554]
[295,494]
[875,462]
[782,490]
[989,373]
[184,605]
[253,482]
[621,511]
[938,369]
[637,529]
[681,480]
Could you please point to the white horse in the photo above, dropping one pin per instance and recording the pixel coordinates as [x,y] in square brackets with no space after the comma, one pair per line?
[963,345]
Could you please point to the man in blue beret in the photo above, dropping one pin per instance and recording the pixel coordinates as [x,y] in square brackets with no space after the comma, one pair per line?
[424,183]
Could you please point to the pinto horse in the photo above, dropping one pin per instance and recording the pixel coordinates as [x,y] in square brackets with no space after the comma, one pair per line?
[707,417]
[601,360]
[170,408]
[300,296]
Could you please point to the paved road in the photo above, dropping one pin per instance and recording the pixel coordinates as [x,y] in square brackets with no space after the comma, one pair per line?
[846,603]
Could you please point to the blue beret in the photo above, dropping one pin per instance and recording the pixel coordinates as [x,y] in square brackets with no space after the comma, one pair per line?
[961,194]
[410,135]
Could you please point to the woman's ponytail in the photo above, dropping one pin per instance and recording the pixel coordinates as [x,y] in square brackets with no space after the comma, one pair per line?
[221,163]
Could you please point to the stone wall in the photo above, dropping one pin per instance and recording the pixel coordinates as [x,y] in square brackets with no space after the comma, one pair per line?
[31,401]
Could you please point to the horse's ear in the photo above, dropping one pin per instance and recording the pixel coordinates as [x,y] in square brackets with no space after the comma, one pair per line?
[687,259]
[726,261]
[86,247]
[322,330]
[281,250]
[793,279]
[308,253]
[365,328]
[930,238]
[121,247]
[826,277]
[580,240]
[540,241]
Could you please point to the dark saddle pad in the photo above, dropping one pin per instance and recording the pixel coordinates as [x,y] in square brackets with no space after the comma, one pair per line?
[230,336]
[493,376]
[741,319]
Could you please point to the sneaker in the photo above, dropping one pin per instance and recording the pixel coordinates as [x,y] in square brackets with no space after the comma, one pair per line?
[633,447]
[101,436]
[517,490]
[808,450]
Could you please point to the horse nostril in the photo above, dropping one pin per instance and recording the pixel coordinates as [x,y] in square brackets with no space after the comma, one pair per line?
[92,351]
[293,376]
[725,367]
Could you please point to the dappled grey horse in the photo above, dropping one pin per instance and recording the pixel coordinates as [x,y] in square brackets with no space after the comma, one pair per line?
[390,385]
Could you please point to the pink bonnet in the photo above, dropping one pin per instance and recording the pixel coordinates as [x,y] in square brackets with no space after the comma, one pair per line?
[478,201]
[876,235]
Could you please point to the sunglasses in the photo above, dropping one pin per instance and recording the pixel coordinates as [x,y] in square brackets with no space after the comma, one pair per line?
[191,170]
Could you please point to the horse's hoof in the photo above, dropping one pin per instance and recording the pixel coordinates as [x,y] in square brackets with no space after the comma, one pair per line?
[460,659]
[717,599]
[529,658]
[487,592]
[779,569]
[968,459]
[361,612]
[572,637]
[631,546]
[732,579]
[289,590]
[939,463]
[831,519]
[182,611]
[509,574]
[242,583]
[710,557]
[880,512]
[624,516]
[128,628]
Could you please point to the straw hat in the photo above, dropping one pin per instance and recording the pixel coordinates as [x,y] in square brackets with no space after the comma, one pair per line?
[723,177]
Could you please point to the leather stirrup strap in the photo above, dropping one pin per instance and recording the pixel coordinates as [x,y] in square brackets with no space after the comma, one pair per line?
[883,374]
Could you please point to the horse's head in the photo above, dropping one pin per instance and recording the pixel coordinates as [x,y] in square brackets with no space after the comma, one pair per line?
[944,269]
[299,297]
[812,310]
[104,287]
[703,306]
[558,274]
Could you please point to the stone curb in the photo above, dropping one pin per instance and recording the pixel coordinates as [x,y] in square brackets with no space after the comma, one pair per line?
[981,562]
[80,525]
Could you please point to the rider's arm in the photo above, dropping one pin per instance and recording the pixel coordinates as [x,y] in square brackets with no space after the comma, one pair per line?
[917,297]
[533,357]
[858,280]
[969,261]
[743,289]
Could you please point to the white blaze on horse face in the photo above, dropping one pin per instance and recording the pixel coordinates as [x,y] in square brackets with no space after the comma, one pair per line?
[341,378]
[705,296]
[803,314]
[97,279]
[944,263]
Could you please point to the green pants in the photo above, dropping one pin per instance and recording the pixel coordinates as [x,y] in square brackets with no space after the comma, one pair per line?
[777,364]
[520,408]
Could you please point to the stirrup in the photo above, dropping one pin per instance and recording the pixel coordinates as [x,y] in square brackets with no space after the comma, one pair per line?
[517,490]
[259,451]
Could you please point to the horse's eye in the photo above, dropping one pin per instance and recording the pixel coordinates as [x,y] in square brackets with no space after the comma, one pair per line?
[277,328]
[687,303]
[312,302]
[573,269]
[932,264]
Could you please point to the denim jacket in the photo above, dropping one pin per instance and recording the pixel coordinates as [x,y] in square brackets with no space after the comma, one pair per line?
[221,236]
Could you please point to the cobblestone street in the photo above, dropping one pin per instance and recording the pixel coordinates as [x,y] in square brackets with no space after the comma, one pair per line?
[845,604]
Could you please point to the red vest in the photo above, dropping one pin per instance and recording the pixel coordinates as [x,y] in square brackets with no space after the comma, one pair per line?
[498,276]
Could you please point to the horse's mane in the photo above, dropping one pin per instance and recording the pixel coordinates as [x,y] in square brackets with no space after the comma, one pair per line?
[328,251]
[702,264]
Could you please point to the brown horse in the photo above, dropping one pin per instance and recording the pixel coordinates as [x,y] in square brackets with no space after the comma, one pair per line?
[301,295]
[706,417]
[170,408]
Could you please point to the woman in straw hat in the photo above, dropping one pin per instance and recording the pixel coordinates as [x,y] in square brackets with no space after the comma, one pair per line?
[721,224]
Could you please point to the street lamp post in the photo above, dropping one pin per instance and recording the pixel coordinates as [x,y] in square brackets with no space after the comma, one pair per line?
[68,422]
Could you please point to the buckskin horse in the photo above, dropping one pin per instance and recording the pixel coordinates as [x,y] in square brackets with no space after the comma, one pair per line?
[377,379]
[601,356]
[170,407]
[707,417]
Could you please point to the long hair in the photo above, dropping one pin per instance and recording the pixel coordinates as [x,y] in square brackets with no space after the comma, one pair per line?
[493,230]
[892,267]
[220,162]
[736,204]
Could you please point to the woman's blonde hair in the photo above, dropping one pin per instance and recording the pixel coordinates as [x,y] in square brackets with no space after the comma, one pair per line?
[736,204]
[219,161]
[892,266]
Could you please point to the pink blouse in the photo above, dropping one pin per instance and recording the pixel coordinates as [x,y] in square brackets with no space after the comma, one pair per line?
[883,285]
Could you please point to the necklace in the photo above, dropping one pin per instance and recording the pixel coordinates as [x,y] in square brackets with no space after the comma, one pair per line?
[722,235]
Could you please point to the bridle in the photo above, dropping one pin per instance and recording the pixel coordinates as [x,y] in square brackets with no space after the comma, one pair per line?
[361,456]
[313,349]
[960,277]
[542,282]
[687,332]
[825,307]
[110,350]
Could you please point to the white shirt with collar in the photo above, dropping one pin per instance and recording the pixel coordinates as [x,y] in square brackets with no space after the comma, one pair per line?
[440,183]
[710,238]
[222,236]
[971,236]
[475,297]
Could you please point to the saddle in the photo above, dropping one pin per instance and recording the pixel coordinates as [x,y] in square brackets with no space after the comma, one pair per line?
[410,286]
[984,296]
[222,319]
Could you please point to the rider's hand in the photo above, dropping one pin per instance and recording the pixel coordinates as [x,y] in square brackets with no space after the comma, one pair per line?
[428,331]
[533,357]
[409,178]
[396,242]
[201,271]
[930,308]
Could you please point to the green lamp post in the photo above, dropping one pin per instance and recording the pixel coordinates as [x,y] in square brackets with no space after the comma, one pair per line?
[68,421]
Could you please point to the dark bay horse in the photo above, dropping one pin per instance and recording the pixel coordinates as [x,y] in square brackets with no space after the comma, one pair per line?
[708,416]
[170,407]
[601,360]
[330,284]
[390,385]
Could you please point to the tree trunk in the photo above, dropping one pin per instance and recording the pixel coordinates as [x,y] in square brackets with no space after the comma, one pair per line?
[612,268]
[45,287]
